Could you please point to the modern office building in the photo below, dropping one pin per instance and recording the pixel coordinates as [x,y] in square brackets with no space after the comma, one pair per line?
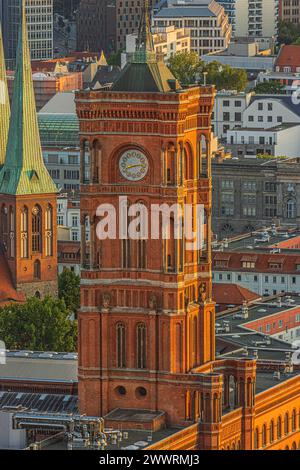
[40,28]
[128,19]
[256,19]
[96,23]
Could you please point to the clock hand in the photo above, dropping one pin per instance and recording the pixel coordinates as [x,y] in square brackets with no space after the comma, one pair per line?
[135,166]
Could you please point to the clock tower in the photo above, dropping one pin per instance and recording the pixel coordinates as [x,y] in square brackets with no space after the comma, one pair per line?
[147,317]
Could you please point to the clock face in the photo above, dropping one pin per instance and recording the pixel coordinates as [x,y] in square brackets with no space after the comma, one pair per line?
[133,165]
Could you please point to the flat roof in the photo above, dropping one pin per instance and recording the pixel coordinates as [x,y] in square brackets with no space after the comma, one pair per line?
[41,367]
[248,243]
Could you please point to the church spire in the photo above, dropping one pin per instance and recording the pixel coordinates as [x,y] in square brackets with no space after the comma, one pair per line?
[145,39]
[4,104]
[24,171]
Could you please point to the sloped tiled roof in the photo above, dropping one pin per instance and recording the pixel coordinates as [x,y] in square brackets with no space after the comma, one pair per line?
[289,56]
[8,292]
[232,294]
[287,263]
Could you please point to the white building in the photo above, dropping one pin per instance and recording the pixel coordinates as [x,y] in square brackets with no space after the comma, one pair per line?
[269,125]
[277,141]
[243,53]
[253,18]
[265,274]
[206,21]
[290,81]
[266,111]
[228,111]
[167,41]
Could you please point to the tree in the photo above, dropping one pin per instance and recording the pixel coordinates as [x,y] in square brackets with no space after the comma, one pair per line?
[115,59]
[225,77]
[288,32]
[189,69]
[69,290]
[186,67]
[269,88]
[38,325]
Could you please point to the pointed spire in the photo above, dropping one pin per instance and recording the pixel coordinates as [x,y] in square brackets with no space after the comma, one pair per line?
[4,104]
[145,39]
[24,171]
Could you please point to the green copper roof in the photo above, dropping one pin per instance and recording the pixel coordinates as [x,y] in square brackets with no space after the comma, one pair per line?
[24,171]
[4,104]
[146,77]
[146,71]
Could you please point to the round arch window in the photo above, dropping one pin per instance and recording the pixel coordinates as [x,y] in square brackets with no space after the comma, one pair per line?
[141,392]
[121,391]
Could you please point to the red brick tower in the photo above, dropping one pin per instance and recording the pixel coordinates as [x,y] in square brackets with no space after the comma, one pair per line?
[147,318]
[27,192]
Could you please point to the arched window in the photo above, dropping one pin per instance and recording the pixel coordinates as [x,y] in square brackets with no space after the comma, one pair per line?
[291,209]
[264,436]
[121,345]
[141,345]
[49,230]
[11,232]
[37,269]
[256,439]
[36,230]
[286,423]
[272,431]
[4,225]
[279,427]
[294,420]
[195,340]
[24,233]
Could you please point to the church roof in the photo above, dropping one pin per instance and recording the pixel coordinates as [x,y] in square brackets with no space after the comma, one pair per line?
[8,292]
[146,77]
[24,172]
[145,71]
[4,104]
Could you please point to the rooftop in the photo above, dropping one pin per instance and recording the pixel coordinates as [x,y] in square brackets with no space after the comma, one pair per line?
[202,8]
[39,366]
[237,328]
[285,240]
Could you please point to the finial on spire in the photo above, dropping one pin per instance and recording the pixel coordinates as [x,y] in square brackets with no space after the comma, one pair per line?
[145,39]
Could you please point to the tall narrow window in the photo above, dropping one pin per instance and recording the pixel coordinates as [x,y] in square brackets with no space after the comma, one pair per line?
[291,209]
[4,226]
[272,431]
[37,269]
[294,420]
[11,232]
[264,436]
[141,254]
[141,339]
[256,439]
[126,254]
[121,345]
[36,230]
[49,230]
[279,428]
[24,233]
[286,423]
